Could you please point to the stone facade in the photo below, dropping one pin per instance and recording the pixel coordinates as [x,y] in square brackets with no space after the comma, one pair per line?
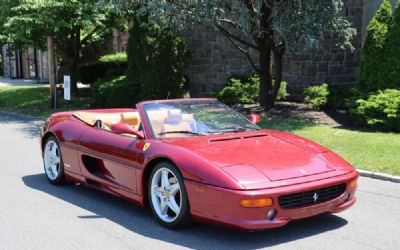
[333,66]
[25,63]
[214,59]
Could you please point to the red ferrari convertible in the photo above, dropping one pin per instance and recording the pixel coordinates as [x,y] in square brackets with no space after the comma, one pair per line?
[197,159]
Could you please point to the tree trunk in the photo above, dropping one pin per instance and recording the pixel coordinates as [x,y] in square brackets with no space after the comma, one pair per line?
[52,73]
[74,60]
[73,73]
[266,98]
[278,56]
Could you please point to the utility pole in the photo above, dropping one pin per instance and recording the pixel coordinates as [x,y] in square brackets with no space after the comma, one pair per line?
[52,72]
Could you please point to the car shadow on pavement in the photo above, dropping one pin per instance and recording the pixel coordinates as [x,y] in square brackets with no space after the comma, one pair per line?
[198,236]
[29,125]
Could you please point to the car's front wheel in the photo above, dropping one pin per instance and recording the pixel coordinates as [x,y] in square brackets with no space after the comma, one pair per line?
[167,196]
[52,161]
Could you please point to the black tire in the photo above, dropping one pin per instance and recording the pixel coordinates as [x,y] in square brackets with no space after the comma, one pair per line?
[59,178]
[181,219]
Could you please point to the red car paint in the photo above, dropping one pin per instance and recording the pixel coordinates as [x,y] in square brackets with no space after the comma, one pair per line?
[219,170]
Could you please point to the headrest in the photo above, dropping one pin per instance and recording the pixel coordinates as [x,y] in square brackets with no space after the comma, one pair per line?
[174,117]
[130,118]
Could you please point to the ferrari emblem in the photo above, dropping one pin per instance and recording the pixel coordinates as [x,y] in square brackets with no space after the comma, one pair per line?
[315,197]
[146,146]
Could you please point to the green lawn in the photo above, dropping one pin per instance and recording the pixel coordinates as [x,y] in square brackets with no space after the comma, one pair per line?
[35,101]
[374,151]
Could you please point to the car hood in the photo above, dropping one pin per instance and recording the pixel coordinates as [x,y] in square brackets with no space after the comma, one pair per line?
[275,155]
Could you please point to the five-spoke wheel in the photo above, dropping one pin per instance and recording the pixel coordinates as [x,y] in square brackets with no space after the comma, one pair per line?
[167,196]
[52,161]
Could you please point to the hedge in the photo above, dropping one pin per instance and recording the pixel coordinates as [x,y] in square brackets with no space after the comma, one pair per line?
[106,66]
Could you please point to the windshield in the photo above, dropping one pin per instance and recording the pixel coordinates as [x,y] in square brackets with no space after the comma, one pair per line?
[194,118]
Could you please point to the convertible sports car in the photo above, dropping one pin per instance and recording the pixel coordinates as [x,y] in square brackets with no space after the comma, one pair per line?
[197,159]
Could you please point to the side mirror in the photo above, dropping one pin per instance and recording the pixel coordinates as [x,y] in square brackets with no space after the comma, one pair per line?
[123,128]
[254,118]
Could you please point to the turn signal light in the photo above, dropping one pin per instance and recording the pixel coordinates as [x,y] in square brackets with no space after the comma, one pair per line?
[353,184]
[264,202]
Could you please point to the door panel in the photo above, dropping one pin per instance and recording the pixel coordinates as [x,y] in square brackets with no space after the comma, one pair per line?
[68,134]
[109,159]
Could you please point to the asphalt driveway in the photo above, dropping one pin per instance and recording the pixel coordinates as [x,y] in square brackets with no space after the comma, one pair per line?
[37,215]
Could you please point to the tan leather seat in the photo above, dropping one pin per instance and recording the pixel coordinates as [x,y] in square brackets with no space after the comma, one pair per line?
[131,118]
[156,118]
[174,122]
[108,119]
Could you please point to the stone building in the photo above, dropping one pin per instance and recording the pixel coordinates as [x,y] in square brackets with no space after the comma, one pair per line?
[29,63]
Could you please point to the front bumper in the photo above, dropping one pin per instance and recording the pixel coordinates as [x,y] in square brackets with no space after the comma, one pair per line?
[222,206]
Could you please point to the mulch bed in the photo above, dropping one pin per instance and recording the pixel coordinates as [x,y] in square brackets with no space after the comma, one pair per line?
[303,111]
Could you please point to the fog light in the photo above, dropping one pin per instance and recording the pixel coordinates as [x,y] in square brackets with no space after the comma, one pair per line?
[347,198]
[271,214]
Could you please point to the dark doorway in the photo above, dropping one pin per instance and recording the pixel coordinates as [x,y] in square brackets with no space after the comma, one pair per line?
[14,54]
[32,63]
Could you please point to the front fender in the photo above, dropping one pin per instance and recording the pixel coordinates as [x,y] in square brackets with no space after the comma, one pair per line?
[192,166]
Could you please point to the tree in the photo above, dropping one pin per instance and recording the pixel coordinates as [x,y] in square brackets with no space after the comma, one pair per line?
[73,24]
[271,27]
[5,10]
[391,68]
[371,76]
[157,58]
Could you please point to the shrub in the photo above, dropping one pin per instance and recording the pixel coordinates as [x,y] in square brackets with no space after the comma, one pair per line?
[113,92]
[245,90]
[157,58]
[106,66]
[371,75]
[391,66]
[380,110]
[316,96]
[339,95]
[282,93]
[117,58]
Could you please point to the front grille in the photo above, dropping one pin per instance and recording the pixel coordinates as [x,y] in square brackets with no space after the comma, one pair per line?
[312,197]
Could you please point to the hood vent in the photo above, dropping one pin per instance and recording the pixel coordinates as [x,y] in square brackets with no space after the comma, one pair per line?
[255,136]
[238,137]
[226,139]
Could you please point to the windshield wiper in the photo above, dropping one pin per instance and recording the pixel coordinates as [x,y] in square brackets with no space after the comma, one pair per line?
[180,132]
[234,129]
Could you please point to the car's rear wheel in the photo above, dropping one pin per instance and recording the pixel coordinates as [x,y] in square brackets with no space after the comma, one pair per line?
[168,197]
[52,161]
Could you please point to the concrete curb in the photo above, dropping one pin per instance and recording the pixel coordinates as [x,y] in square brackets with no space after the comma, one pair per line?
[379,176]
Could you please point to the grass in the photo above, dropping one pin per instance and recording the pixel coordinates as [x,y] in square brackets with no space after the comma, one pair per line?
[373,151]
[35,101]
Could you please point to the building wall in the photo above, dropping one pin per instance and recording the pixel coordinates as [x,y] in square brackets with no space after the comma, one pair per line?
[43,65]
[10,66]
[214,59]
[6,62]
[333,66]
